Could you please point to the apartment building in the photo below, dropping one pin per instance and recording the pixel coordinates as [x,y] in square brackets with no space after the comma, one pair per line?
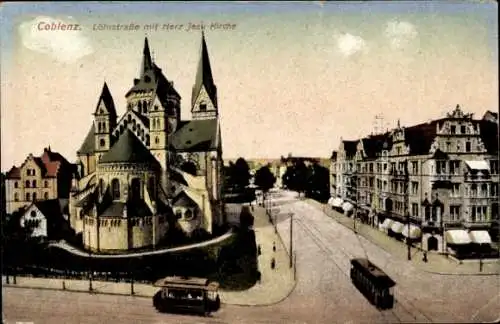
[440,178]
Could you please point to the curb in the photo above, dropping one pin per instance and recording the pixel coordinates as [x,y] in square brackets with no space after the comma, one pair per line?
[415,265]
[95,292]
[268,303]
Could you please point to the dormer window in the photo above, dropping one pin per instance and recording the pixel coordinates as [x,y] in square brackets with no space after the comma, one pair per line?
[453,129]
[203,106]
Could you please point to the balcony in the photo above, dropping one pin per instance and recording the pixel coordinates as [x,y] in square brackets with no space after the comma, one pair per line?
[470,177]
[440,177]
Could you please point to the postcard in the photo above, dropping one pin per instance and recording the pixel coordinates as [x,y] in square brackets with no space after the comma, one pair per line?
[250,162]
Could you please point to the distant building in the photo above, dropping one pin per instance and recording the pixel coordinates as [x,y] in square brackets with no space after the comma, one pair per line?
[439,175]
[38,178]
[46,220]
[491,116]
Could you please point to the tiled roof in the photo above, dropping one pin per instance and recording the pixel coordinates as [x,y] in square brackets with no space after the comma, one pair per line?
[489,135]
[350,147]
[204,75]
[420,137]
[49,163]
[374,144]
[183,200]
[88,145]
[195,136]
[14,173]
[128,149]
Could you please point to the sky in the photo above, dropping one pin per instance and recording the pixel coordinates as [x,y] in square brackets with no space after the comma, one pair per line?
[292,77]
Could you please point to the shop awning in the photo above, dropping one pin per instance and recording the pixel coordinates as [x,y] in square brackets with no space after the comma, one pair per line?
[387,223]
[457,237]
[347,206]
[397,227]
[335,202]
[479,165]
[480,237]
[413,233]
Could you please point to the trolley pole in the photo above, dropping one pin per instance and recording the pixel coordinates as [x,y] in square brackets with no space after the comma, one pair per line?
[291,240]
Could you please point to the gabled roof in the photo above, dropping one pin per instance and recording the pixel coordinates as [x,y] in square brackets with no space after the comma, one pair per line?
[13,173]
[107,99]
[204,75]
[183,200]
[128,149]
[489,135]
[49,163]
[374,144]
[420,137]
[350,147]
[195,136]
[88,145]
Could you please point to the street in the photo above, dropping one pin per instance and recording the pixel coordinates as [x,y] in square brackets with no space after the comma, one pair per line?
[324,293]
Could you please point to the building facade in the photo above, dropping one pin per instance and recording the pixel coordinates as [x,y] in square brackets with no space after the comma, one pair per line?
[435,177]
[148,170]
[45,177]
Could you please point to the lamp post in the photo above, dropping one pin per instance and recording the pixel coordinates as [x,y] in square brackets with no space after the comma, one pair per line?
[291,240]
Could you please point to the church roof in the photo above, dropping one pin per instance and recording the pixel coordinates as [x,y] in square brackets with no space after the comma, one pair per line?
[108,100]
[195,136]
[204,75]
[128,149]
[88,145]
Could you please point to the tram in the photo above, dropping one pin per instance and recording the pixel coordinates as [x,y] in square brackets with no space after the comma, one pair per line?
[187,294]
[373,283]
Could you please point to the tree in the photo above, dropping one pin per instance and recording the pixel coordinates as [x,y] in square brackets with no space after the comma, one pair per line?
[318,184]
[264,179]
[241,174]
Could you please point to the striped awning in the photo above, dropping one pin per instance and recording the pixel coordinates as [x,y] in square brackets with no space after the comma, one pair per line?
[347,206]
[480,237]
[413,233]
[457,237]
[386,224]
[397,227]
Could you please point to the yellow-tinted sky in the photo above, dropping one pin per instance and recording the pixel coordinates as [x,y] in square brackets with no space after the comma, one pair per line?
[291,77]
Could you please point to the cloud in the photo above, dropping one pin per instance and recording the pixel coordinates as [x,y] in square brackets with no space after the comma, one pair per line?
[66,46]
[400,33]
[349,44]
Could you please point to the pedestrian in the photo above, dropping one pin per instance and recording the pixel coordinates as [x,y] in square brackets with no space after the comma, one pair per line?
[274,246]
[273,263]
[258,250]
[425,257]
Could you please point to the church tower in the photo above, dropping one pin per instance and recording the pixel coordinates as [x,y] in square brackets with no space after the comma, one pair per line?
[104,122]
[204,95]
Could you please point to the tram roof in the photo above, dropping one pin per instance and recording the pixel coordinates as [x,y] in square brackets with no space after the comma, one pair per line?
[186,282]
[374,271]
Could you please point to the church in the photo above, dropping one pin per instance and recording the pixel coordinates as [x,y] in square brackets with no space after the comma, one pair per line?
[146,172]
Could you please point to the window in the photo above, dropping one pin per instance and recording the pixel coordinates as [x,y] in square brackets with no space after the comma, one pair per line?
[203,106]
[427,213]
[27,184]
[33,183]
[455,190]
[33,214]
[414,167]
[414,188]
[458,147]
[473,190]
[414,210]
[188,215]
[493,167]
[467,147]
[16,184]
[484,190]
[136,188]
[28,197]
[156,107]
[16,196]
[454,167]
[157,140]
[494,190]
[178,214]
[28,172]
[46,195]
[454,213]
[101,186]
[448,146]
[115,184]
[45,184]
[102,142]
[129,118]
[34,196]
[453,129]
[462,129]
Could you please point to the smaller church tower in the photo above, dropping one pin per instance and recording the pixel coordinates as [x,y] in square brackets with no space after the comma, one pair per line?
[204,95]
[104,121]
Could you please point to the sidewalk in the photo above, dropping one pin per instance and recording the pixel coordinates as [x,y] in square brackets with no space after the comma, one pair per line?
[275,285]
[437,264]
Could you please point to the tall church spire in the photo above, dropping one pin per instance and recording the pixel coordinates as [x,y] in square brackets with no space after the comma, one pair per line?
[147,63]
[204,75]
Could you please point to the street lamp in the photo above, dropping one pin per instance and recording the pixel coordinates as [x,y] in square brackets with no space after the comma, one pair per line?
[291,240]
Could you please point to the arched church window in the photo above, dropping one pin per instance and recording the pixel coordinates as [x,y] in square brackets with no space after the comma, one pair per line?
[102,142]
[144,107]
[157,140]
[45,184]
[115,184]
[28,197]
[156,107]
[129,118]
[136,188]
[34,196]
[203,106]
[33,214]
[16,184]
[46,195]
[133,122]
[33,183]
[154,123]
[103,127]
[139,106]
[188,215]
[134,127]
[147,140]
[151,187]
[101,186]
